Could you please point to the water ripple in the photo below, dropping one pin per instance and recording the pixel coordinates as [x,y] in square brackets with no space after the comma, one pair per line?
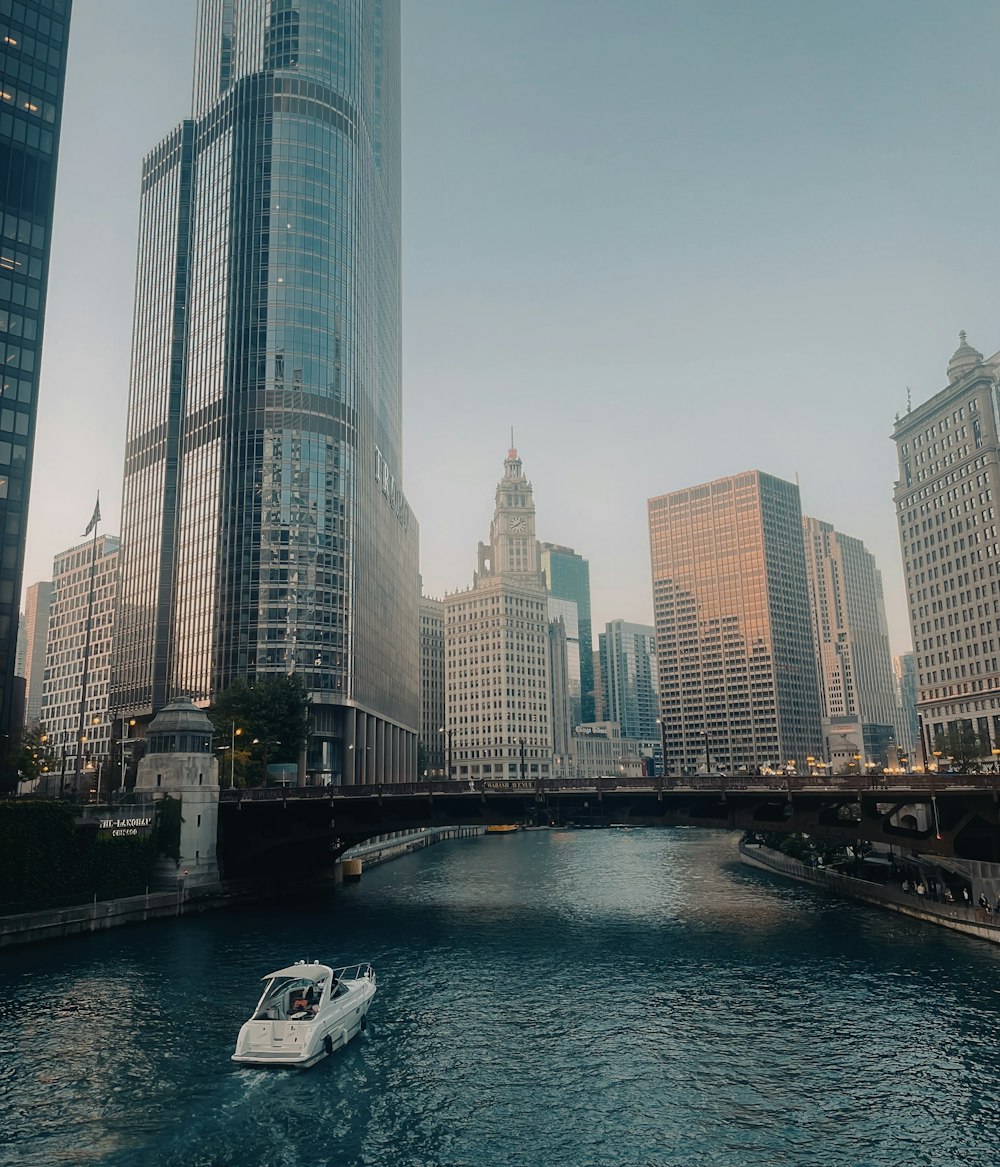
[587,999]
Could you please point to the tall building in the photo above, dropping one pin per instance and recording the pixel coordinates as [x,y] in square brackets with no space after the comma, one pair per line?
[33,42]
[567,577]
[497,648]
[630,690]
[851,636]
[600,707]
[432,704]
[264,526]
[563,634]
[84,580]
[733,630]
[37,608]
[907,735]
[946,505]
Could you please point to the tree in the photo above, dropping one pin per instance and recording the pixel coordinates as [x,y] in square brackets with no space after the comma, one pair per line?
[36,756]
[272,712]
[960,743]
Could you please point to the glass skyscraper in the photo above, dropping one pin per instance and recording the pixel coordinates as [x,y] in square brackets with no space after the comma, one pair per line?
[567,577]
[33,41]
[630,691]
[264,527]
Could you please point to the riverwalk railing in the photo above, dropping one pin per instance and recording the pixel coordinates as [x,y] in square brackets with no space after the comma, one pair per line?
[854,887]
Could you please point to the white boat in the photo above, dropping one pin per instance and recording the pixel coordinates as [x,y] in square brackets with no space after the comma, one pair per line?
[306,1012]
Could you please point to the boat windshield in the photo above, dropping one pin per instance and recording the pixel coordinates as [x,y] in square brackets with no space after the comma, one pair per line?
[285,997]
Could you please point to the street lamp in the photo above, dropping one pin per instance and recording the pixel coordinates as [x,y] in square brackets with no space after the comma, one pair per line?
[449,741]
[127,723]
[937,759]
[237,731]
[811,763]
[996,758]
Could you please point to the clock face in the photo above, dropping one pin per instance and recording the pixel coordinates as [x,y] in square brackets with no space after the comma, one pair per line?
[517,524]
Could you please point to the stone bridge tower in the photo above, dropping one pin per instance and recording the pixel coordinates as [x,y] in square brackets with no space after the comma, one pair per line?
[179,763]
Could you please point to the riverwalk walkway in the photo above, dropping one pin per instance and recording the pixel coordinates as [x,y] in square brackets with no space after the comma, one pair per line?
[970,920]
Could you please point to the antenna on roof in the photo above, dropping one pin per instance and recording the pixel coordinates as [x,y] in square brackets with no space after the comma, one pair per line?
[909,400]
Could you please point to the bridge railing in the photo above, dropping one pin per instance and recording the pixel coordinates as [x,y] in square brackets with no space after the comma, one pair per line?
[891,784]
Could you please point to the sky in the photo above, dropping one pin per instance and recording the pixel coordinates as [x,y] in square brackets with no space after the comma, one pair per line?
[664,240]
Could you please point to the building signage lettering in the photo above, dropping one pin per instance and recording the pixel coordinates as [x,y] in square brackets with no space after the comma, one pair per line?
[125,828]
[390,488]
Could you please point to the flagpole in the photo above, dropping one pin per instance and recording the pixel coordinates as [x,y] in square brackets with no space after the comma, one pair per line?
[81,731]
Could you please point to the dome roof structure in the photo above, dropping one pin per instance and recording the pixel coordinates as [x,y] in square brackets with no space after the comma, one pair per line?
[181,716]
[965,358]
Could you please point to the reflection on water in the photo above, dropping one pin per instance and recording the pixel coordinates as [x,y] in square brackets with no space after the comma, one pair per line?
[551,997]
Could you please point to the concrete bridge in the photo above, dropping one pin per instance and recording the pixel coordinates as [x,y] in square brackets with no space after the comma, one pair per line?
[949,815]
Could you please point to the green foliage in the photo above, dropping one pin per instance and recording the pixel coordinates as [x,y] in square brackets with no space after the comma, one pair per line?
[272,712]
[36,756]
[959,746]
[47,858]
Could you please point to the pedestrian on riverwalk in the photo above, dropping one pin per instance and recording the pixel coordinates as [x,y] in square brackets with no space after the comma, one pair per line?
[965,896]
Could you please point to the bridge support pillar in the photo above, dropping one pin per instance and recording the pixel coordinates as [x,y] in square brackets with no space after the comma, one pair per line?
[372,734]
[392,752]
[361,746]
[347,760]
[380,735]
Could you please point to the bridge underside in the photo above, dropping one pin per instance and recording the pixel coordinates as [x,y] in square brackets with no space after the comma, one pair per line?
[294,834]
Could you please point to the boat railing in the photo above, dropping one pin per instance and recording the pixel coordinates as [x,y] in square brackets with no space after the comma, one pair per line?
[354,972]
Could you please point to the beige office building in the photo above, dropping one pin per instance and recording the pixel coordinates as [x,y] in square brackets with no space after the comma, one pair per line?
[946,506]
[433,738]
[84,580]
[497,648]
[854,664]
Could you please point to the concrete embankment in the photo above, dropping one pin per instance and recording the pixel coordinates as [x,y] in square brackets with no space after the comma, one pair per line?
[969,920]
[99,915]
[369,854]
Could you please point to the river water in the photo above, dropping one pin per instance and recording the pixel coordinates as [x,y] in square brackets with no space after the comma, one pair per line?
[549,998]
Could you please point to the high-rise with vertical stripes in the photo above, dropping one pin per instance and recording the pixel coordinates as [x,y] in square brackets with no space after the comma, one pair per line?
[264,526]
[33,43]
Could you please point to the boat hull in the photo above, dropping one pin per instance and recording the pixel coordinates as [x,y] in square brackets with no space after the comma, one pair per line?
[300,1044]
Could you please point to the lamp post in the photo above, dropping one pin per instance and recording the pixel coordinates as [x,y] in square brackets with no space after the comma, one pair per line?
[127,723]
[449,741]
[521,745]
[708,759]
[937,760]
[661,722]
[996,758]
[94,721]
[237,731]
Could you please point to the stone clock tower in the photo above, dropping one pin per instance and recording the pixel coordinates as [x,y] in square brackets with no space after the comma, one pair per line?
[497,667]
[513,548]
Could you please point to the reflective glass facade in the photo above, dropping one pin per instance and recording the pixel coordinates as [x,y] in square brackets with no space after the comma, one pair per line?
[567,577]
[628,678]
[33,38]
[733,630]
[264,526]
